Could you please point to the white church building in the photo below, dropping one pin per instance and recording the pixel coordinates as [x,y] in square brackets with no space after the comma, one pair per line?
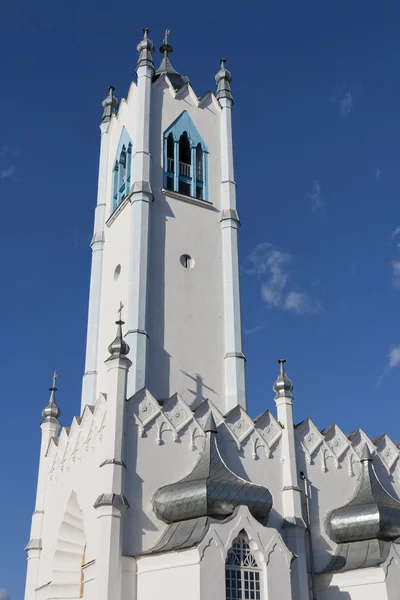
[163,487]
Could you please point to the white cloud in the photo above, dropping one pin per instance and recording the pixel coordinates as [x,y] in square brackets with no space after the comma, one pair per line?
[4,594]
[271,266]
[301,303]
[396,274]
[343,98]
[7,173]
[316,197]
[393,362]
[395,233]
[251,330]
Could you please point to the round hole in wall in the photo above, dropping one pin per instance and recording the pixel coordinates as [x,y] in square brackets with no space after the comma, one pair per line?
[187,261]
[117,272]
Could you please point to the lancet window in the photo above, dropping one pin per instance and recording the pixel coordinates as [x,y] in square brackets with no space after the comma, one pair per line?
[121,182]
[185,159]
[242,574]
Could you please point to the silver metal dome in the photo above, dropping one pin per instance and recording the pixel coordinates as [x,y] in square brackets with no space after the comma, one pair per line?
[223,79]
[372,513]
[283,387]
[118,347]
[166,67]
[110,105]
[211,489]
[51,412]
[145,49]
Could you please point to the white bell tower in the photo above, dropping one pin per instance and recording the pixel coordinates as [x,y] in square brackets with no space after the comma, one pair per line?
[165,239]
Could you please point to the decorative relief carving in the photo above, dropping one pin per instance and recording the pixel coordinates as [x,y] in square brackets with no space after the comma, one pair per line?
[337,442]
[177,412]
[313,443]
[239,423]
[269,429]
[144,408]
[387,450]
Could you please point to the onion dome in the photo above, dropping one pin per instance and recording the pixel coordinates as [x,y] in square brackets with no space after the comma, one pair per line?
[118,348]
[166,67]
[145,49]
[211,489]
[371,514]
[51,412]
[283,387]
[110,105]
[223,79]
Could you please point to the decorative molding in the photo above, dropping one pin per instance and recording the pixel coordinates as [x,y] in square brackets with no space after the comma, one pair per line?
[34,544]
[116,500]
[112,461]
[189,199]
[118,210]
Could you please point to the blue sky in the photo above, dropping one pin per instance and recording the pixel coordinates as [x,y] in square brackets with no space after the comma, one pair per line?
[317,145]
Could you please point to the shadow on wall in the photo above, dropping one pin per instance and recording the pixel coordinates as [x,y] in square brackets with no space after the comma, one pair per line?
[194,397]
[334,593]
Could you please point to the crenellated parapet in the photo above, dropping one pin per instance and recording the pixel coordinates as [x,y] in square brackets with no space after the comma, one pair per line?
[78,440]
[172,418]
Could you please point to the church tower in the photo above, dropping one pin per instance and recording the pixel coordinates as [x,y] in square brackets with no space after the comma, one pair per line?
[165,239]
[163,486]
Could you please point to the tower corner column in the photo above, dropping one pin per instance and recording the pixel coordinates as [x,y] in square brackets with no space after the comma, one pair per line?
[89,383]
[141,198]
[234,359]
[294,526]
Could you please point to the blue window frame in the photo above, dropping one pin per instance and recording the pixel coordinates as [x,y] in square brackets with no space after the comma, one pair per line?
[121,182]
[185,159]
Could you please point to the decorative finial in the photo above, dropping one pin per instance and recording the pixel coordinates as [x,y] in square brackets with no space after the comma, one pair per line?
[283,387]
[145,49]
[366,454]
[110,105]
[210,425]
[51,412]
[118,347]
[223,79]
[166,35]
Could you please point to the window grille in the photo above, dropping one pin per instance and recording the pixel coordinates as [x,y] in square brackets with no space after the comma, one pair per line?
[242,574]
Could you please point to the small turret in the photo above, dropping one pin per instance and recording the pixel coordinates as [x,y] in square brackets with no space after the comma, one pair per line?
[223,79]
[283,387]
[110,105]
[145,49]
[166,67]
[51,412]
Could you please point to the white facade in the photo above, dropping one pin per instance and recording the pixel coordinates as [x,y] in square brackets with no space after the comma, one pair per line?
[143,423]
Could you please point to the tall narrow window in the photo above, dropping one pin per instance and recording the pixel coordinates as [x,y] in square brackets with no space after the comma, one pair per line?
[121,183]
[115,186]
[128,169]
[199,172]
[185,171]
[242,574]
[122,174]
[170,162]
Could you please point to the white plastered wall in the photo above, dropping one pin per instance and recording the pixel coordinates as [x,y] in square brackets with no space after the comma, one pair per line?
[185,321]
[164,455]
[199,573]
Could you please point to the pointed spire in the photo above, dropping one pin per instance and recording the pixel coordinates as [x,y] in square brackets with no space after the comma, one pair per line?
[51,412]
[223,79]
[366,454]
[210,425]
[166,67]
[110,105]
[145,49]
[283,387]
[118,348]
